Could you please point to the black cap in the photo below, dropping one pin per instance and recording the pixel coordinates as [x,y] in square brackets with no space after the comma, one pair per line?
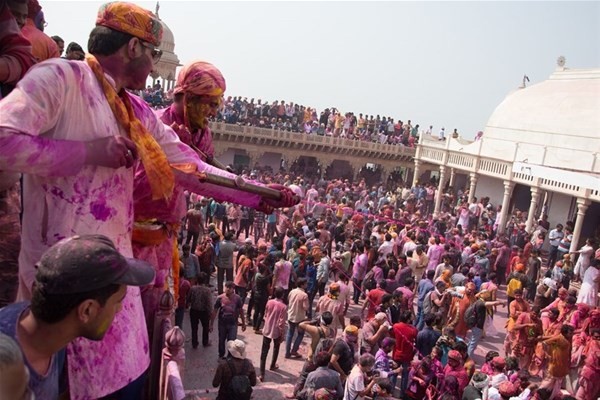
[85,263]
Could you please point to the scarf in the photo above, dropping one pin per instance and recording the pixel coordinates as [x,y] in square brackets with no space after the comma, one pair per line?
[154,160]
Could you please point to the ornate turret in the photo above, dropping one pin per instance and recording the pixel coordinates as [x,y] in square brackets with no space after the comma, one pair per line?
[165,69]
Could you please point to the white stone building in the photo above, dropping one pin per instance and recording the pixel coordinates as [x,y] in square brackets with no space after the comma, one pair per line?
[166,68]
[540,151]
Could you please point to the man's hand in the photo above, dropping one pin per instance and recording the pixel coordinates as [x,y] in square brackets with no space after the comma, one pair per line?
[182,131]
[288,198]
[111,152]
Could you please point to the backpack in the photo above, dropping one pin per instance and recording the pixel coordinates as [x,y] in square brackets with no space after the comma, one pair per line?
[369,283]
[427,303]
[239,386]
[470,315]
[325,344]
[513,285]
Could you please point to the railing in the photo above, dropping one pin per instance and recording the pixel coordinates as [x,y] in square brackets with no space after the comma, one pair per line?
[301,140]
[494,167]
[167,356]
[552,184]
[523,178]
[461,160]
[432,154]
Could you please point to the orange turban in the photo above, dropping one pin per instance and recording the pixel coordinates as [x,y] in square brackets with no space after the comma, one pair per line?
[200,78]
[520,267]
[303,250]
[131,19]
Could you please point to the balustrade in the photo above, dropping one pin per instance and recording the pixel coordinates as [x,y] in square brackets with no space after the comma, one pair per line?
[461,160]
[494,167]
[302,141]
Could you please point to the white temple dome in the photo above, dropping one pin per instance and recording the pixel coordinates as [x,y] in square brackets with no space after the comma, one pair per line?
[562,112]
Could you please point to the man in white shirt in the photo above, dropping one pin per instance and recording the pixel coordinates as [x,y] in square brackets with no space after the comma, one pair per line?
[442,134]
[297,309]
[355,384]
[410,244]
[554,237]
[386,247]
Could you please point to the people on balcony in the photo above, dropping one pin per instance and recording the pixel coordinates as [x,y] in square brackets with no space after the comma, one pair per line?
[330,122]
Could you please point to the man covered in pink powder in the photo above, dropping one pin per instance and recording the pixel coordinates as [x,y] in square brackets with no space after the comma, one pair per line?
[75,132]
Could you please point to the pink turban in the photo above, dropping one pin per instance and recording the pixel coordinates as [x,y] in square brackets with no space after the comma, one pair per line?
[200,78]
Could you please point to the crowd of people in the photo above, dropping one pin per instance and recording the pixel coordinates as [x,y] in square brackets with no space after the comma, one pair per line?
[329,122]
[427,290]
[392,299]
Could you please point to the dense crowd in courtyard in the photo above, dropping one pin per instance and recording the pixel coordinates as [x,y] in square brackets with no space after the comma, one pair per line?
[427,287]
[392,298]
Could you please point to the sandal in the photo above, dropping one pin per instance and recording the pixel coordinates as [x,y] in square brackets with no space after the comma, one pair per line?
[274,367]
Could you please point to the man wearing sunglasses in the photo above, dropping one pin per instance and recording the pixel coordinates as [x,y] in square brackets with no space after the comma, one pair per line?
[75,132]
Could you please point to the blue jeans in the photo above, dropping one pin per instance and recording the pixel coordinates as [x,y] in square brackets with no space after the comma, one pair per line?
[405,371]
[289,349]
[420,322]
[226,332]
[179,313]
[311,298]
[476,334]
[356,287]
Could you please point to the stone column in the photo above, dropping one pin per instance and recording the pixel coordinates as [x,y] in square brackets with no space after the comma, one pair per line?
[324,164]
[508,188]
[452,177]
[535,196]
[472,185]
[384,175]
[416,172]
[439,192]
[582,206]
[254,158]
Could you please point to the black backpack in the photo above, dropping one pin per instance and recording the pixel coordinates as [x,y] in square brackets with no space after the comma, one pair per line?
[471,315]
[428,303]
[325,344]
[239,386]
[369,283]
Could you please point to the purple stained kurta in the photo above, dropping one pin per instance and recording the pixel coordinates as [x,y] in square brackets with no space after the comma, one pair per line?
[202,138]
[56,107]
[170,212]
[434,253]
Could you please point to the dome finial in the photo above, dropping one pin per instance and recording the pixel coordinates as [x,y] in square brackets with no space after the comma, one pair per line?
[561,61]
[157,8]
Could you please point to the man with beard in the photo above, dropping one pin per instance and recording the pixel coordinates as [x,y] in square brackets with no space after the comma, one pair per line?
[75,132]
[79,287]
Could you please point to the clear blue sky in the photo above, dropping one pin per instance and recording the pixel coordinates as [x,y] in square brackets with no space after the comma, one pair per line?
[436,63]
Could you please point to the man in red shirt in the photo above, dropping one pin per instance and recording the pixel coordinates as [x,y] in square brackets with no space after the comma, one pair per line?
[374,299]
[404,350]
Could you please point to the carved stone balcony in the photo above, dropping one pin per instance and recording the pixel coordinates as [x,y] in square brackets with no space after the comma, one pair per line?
[291,145]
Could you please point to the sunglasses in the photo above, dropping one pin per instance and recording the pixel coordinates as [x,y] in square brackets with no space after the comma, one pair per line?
[156,53]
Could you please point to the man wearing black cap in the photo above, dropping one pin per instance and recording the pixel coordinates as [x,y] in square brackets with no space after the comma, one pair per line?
[78,289]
